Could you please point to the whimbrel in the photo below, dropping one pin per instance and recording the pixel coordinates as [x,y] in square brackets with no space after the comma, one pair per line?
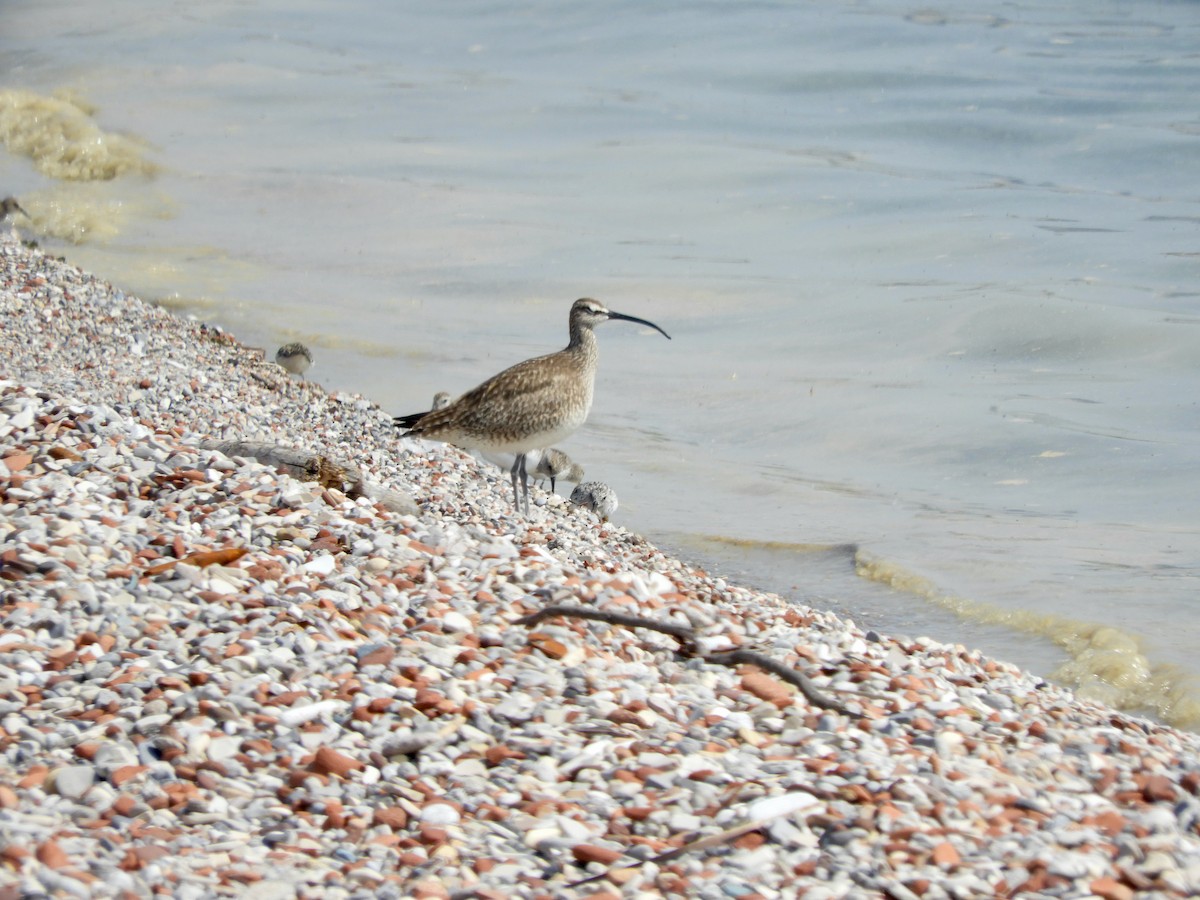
[596,496]
[534,404]
[294,358]
[555,464]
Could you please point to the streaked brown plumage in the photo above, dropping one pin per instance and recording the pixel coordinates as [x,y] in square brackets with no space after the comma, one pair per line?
[531,405]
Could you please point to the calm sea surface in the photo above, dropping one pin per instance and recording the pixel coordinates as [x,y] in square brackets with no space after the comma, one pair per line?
[932,271]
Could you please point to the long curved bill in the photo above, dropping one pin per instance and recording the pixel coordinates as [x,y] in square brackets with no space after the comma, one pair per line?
[617,315]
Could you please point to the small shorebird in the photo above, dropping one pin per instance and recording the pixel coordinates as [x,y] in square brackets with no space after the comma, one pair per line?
[440,401]
[294,358]
[534,404]
[596,496]
[8,206]
[555,464]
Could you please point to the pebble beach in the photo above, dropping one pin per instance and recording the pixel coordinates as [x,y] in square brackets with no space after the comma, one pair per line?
[219,679]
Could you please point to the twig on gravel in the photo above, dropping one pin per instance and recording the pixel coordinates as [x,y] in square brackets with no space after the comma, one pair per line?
[704,843]
[689,646]
[682,633]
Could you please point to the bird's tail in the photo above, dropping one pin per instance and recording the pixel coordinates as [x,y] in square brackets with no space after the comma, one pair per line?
[410,420]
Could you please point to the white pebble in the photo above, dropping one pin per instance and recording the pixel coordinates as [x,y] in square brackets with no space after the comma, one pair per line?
[73,782]
[320,565]
[454,621]
[781,805]
[440,814]
[298,715]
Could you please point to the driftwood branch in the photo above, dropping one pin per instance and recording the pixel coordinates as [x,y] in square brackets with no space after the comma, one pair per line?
[326,471]
[682,633]
[689,646]
[704,843]
[792,676]
[756,820]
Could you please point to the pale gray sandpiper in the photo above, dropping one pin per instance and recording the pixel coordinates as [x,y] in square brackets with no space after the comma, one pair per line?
[294,358]
[555,464]
[534,404]
[596,496]
[440,401]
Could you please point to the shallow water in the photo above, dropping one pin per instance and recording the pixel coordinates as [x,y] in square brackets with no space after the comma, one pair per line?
[930,274]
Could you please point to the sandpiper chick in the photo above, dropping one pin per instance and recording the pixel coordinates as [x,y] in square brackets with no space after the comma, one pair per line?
[596,496]
[556,464]
[8,206]
[535,403]
[295,358]
[440,401]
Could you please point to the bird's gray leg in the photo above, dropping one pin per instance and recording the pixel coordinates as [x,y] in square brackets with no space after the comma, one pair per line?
[516,467]
[524,482]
